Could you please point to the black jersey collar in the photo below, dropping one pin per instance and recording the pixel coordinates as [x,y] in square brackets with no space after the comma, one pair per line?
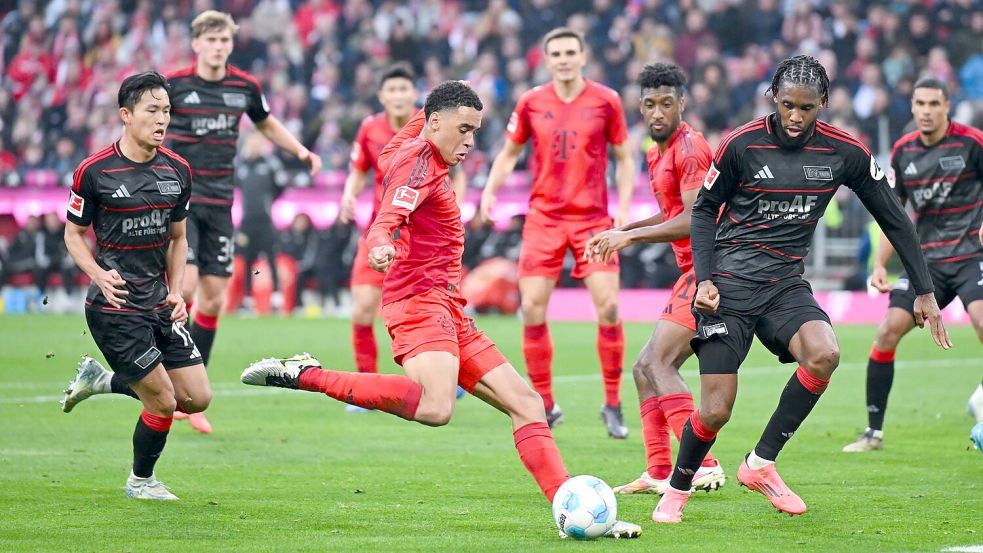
[774,126]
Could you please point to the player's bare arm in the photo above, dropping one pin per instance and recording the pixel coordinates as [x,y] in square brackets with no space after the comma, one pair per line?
[273,129]
[602,246]
[354,184]
[707,298]
[624,176]
[109,282]
[501,168]
[177,260]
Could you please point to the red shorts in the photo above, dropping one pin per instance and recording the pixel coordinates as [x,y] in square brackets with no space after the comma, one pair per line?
[679,308]
[435,321]
[545,241]
[362,273]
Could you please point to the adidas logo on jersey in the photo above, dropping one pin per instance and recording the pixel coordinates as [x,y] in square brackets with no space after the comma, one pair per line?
[764,173]
[192,98]
[910,169]
[121,192]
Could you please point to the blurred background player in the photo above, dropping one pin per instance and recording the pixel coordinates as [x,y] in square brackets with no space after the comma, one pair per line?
[398,95]
[939,169]
[435,343]
[677,163]
[571,120]
[134,194]
[209,99]
[773,179]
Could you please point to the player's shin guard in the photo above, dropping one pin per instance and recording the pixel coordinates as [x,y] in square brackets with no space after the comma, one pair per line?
[541,457]
[880,377]
[678,408]
[366,351]
[203,334]
[392,393]
[696,442]
[797,400]
[655,433]
[149,438]
[117,386]
[537,348]
[611,351]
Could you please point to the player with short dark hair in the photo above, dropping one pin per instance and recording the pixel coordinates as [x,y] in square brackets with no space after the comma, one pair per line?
[766,190]
[209,99]
[437,345]
[571,121]
[135,196]
[677,162]
[398,95]
[938,168]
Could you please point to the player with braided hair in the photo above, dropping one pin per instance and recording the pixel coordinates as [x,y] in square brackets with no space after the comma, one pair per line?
[763,195]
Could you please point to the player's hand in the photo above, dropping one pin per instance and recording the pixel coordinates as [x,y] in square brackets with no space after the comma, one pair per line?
[707,298]
[878,279]
[179,309]
[111,285]
[926,309]
[347,211]
[486,208]
[601,247]
[311,159]
[381,257]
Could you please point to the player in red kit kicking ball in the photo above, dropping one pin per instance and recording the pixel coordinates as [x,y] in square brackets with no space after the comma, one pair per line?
[571,121]
[398,95]
[677,163]
[435,343]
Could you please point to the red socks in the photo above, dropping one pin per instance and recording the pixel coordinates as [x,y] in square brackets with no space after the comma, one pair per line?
[391,393]
[153,422]
[881,355]
[813,384]
[678,408]
[541,457]
[207,322]
[366,351]
[537,348]
[655,434]
[611,351]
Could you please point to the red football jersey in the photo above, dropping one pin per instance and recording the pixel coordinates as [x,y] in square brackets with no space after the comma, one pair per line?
[373,135]
[569,147]
[679,168]
[419,197]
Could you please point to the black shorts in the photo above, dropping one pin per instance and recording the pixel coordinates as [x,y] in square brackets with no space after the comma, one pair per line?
[133,343]
[210,239]
[962,278]
[773,311]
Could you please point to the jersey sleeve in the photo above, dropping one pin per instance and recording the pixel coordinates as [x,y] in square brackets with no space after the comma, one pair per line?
[258,109]
[895,175]
[692,166]
[719,184]
[82,197]
[406,190]
[617,128]
[360,151]
[180,211]
[518,129]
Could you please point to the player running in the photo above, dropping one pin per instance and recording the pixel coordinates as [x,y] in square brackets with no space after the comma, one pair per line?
[571,121]
[677,163]
[398,95]
[135,194]
[939,168]
[773,179]
[436,344]
[209,99]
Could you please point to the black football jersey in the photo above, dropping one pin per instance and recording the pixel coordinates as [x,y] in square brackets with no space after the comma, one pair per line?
[773,195]
[131,206]
[944,185]
[204,127]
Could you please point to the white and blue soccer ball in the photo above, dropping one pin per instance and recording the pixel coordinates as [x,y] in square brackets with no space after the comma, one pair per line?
[584,508]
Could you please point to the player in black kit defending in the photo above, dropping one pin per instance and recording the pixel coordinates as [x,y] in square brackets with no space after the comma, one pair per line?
[774,178]
[134,194]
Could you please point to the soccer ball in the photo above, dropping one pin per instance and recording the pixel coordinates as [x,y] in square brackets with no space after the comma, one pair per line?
[584,507]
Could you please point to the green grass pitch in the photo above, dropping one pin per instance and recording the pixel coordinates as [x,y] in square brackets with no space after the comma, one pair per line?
[291,471]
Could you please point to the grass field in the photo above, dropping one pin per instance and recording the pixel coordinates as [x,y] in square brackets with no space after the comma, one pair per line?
[291,471]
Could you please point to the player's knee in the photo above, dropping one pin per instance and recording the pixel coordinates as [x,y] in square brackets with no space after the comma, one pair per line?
[435,413]
[209,305]
[533,310]
[822,362]
[197,402]
[363,315]
[162,404]
[715,415]
[888,336]
[529,404]
[607,310]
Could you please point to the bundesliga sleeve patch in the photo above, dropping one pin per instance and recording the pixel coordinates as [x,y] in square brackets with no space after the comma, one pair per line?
[76,204]
[876,172]
[513,123]
[712,174]
[406,197]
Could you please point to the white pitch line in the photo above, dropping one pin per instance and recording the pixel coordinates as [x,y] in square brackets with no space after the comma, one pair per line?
[964,549]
